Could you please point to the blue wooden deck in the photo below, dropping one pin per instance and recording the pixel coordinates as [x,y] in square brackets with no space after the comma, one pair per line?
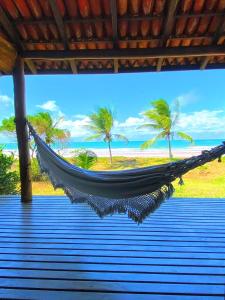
[51,249]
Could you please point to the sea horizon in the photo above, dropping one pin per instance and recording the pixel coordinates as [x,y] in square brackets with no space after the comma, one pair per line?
[161,144]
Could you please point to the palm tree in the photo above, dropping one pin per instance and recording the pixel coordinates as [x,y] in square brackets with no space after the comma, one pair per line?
[101,124]
[163,120]
[46,126]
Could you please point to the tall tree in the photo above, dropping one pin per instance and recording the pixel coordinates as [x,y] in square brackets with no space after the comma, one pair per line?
[101,124]
[43,124]
[48,128]
[163,120]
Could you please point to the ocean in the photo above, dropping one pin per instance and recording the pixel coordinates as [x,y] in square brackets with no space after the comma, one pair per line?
[162,144]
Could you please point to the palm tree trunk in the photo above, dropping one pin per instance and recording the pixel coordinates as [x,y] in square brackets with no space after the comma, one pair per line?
[170,149]
[110,152]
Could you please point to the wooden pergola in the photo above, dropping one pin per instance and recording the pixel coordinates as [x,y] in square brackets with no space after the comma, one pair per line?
[104,36]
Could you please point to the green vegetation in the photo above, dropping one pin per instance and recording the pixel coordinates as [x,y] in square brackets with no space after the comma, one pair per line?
[8,179]
[84,159]
[36,173]
[207,181]
[163,120]
[8,125]
[101,124]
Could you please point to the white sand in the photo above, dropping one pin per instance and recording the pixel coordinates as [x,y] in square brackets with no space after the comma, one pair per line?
[132,152]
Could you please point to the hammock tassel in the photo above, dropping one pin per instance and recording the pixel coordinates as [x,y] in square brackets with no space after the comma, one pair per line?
[181,181]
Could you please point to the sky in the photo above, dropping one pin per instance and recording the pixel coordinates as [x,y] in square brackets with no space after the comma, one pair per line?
[201,95]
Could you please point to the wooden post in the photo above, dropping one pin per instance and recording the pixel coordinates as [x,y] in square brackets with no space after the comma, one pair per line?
[21,130]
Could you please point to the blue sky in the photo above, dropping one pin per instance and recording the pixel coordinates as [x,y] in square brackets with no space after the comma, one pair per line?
[201,95]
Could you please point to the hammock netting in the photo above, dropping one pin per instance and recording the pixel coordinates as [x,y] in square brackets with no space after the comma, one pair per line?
[137,192]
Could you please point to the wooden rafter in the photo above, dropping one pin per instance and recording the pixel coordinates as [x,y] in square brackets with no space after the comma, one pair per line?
[74,20]
[168,27]
[114,29]
[14,37]
[60,25]
[130,39]
[125,53]
[217,36]
[73,66]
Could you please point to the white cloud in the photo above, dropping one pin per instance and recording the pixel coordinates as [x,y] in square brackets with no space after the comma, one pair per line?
[132,122]
[79,116]
[76,127]
[203,121]
[52,107]
[49,105]
[6,100]
[187,98]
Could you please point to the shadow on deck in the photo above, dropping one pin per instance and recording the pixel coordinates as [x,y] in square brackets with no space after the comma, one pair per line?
[51,249]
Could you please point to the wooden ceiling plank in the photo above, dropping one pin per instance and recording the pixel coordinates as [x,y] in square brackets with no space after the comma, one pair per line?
[14,37]
[196,51]
[168,27]
[10,30]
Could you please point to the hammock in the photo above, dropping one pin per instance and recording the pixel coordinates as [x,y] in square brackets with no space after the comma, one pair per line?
[137,192]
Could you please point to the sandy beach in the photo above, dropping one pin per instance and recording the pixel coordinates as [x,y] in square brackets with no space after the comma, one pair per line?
[133,152]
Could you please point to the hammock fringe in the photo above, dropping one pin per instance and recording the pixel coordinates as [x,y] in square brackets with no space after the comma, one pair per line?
[137,208]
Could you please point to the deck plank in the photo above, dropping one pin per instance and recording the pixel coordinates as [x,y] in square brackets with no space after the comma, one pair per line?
[50,249]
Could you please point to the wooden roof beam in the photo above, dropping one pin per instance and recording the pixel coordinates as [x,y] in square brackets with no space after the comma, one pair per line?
[14,37]
[168,27]
[59,22]
[130,39]
[115,30]
[73,66]
[108,54]
[74,20]
[114,19]
[218,34]
[60,25]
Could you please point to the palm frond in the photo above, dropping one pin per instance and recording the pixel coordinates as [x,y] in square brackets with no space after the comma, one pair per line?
[94,137]
[176,113]
[185,136]
[161,107]
[152,141]
[148,144]
[152,126]
[121,137]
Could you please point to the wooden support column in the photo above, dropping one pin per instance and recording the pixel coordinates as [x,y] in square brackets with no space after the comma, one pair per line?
[22,131]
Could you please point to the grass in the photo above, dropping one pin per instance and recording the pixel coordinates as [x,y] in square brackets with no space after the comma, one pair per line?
[207,181]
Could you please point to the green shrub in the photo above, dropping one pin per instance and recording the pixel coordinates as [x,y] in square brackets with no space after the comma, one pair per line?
[36,172]
[9,180]
[84,158]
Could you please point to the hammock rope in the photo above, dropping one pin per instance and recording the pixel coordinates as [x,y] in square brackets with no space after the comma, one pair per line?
[137,192]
